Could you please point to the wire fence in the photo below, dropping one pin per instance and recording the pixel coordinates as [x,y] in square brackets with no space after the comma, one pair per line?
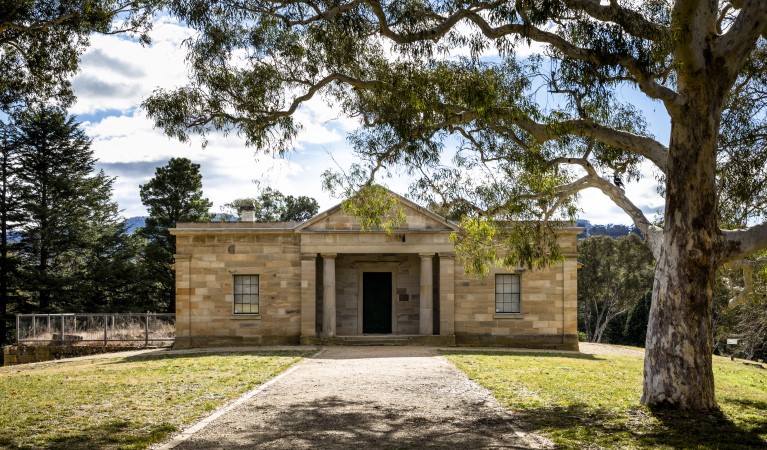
[118,327]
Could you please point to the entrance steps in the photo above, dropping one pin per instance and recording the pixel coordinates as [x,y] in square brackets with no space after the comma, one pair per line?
[382,339]
[374,340]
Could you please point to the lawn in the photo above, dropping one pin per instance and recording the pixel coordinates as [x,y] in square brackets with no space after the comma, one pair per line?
[124,402]
[592,401]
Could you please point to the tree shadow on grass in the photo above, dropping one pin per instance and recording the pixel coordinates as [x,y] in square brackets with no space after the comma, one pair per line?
[526,353]
[336,423]
[582,425]
[114,433]
[194,355]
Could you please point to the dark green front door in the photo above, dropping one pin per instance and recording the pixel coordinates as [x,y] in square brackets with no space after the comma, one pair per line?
[376,302]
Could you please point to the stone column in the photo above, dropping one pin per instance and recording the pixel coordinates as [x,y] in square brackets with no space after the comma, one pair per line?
[308,294]
[427,293]
[570,302]
[328,294]
[446,294]
[184,308]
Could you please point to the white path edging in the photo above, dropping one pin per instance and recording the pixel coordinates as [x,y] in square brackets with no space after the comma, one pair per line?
[189,432]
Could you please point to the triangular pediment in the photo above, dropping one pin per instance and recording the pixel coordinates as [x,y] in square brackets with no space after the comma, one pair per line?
[417,217]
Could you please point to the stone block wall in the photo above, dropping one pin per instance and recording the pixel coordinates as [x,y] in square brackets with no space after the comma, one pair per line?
[205,268]
[548,304]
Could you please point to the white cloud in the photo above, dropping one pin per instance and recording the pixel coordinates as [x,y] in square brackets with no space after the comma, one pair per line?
[316,127]
[128,147]
[117,73]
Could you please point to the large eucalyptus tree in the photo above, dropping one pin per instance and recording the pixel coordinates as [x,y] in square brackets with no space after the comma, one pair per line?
[532,132]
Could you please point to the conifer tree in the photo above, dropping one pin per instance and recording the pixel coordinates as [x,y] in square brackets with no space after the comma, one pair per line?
[66,206]
[173,195]
[10,218]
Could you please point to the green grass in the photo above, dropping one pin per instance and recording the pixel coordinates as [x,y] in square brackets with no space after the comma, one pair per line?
[124,402]
[592,401]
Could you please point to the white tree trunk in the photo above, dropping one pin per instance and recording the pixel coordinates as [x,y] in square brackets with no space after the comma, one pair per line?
[678,370]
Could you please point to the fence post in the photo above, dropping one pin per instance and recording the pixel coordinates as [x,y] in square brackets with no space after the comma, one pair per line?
[18,329]
[34,328]
[48,328]
[146,330]
[62,327]
[106,322]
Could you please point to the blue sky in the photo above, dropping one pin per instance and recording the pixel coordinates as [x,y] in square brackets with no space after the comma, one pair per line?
[117,74]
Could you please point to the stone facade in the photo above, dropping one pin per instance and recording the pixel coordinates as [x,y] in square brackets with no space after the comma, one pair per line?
[310,286]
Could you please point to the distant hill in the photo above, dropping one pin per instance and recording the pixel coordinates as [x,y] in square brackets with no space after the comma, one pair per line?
[611,229]
[134,222]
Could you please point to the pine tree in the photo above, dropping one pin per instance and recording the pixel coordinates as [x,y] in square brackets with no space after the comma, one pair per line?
[173,195]
[10,218]
[68,211]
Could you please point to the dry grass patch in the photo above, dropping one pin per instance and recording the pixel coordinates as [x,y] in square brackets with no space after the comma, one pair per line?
[592,401]
[125,402]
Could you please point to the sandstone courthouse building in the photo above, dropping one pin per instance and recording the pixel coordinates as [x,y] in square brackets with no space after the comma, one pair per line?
[324,281]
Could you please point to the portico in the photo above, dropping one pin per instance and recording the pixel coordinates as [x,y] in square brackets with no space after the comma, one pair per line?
[376,283]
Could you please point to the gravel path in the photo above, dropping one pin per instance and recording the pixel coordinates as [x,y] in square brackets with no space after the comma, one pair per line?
[592,348]
[367,397]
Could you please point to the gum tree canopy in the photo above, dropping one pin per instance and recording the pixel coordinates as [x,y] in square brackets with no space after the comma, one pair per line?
[41,42]
[533,131]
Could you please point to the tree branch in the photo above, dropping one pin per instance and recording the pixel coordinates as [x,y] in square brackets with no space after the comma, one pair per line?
[641,145]
[631,21]
[740,39]
[311,91]
[742,243]
[652,234]
[695,23]
[644,80]
[36,26]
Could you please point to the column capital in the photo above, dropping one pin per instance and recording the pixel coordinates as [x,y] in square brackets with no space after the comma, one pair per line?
[308,256]
[446,255]
[328,255]
[427,255]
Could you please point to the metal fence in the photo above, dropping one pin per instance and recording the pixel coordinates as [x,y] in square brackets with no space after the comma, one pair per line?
[72,328]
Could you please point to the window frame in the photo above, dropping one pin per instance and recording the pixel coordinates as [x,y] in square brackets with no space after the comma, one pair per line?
[511,294]
[248,295]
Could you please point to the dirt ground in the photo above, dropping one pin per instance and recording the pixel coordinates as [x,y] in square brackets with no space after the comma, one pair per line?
[368,397]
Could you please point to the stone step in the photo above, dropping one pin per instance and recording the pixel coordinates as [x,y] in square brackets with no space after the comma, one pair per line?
[374,340]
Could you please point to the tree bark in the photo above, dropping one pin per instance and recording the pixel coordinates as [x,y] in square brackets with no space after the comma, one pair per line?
[678,370]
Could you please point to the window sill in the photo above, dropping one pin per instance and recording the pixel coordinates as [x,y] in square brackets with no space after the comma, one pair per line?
[509,316]
[246,317]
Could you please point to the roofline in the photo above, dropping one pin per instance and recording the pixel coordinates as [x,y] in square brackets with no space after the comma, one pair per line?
[211,230]
[452,226]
